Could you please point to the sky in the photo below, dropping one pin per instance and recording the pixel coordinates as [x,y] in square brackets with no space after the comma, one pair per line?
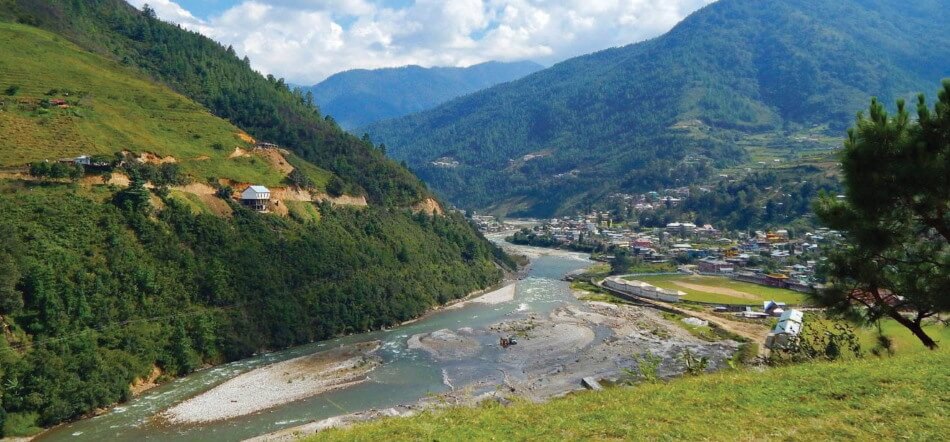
[305,41]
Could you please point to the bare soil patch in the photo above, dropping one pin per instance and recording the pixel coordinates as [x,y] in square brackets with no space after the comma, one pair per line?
[277,160]
[197,189]
[246,138]
[343,200]
[151,158]
[291,194]
[717,290]
[144,384]
[428,206]
[238,152]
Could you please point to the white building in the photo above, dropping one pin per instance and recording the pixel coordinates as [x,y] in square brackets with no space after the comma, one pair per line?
[256,197]
[789,325]
[642,289]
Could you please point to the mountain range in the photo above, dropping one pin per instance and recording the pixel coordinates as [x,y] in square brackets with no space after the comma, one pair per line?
[733,76]
[360,97]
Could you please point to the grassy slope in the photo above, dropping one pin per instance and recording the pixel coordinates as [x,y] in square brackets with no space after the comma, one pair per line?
[873,398]
[763,293]
[118,110]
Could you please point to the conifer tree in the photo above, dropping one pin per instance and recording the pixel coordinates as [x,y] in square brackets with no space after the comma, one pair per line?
[895,216]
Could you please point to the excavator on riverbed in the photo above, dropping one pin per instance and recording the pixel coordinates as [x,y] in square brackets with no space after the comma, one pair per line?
[508,342]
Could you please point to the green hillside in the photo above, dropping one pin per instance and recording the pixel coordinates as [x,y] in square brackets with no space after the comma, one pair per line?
[212,75]
[900,397]
[736,77]
[110,109]
[102,284]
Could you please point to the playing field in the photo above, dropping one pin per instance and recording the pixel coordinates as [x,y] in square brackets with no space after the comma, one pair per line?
[722,290]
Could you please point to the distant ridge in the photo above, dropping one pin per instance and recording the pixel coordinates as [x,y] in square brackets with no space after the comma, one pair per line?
[359,97]
[670,111]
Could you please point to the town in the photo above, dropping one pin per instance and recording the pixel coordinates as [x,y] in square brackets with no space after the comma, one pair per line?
[779,258]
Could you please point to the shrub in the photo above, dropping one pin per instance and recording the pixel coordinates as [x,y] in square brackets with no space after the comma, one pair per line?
[45,169]
[648,368]
[224,192]
[21,425]
[746,354]
[694,365]
[818,340]
[336,186]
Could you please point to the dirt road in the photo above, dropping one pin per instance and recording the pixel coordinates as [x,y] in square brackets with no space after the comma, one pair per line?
[753,332]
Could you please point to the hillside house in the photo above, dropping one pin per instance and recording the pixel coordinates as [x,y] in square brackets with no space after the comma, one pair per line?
[789,325]
[256,197]
[82,160]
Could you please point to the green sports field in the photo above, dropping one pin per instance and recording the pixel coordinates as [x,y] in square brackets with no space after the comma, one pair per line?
[722,290]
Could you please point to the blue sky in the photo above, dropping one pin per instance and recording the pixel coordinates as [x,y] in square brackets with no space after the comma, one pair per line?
[305,41]
[207,8]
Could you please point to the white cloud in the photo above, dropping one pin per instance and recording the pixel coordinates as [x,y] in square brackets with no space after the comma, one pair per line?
[307,40]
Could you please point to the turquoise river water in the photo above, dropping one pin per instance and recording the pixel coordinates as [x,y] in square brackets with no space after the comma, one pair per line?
[404,377]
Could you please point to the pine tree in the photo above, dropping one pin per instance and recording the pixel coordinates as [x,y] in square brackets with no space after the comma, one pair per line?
[895,259]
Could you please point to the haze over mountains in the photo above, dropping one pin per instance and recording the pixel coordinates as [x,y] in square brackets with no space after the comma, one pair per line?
[669,111]
[359,97]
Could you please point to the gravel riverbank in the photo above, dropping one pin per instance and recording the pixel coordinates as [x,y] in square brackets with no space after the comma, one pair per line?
[553,354]
[278,384]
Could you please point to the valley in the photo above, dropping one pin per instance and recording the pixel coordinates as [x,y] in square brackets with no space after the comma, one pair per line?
[730,220]
[450,357]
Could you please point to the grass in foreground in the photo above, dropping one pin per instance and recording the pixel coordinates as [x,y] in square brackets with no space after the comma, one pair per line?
[703,289]
[902,397]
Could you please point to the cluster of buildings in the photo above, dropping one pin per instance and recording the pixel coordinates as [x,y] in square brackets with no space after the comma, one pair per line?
[665,198]
[773,258]
[770,258]
[488,223]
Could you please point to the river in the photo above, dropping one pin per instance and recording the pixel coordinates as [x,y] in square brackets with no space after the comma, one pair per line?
[404,377]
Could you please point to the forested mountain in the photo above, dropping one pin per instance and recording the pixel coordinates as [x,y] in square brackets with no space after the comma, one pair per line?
[671,110]
[359,97]
[142,263]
